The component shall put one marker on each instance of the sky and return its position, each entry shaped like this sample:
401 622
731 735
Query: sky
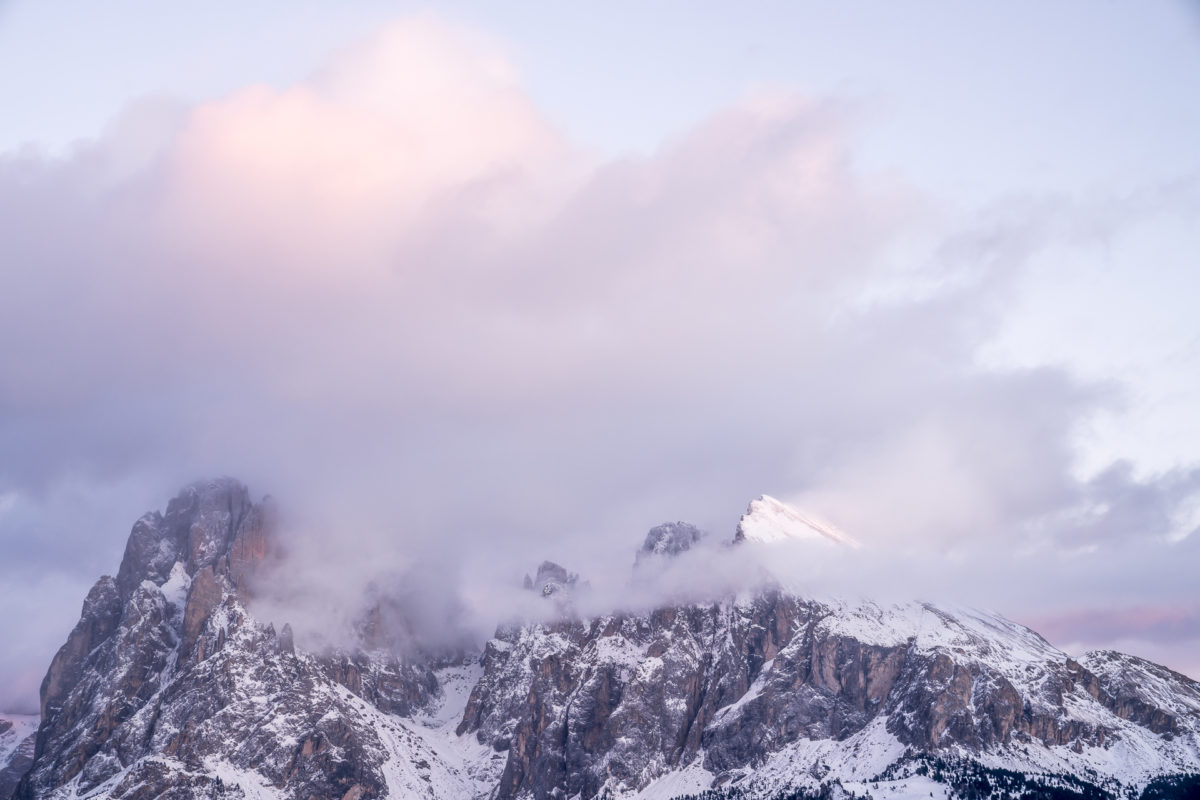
473 285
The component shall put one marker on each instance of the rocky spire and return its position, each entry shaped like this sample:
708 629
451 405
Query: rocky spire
551 579
150 621
668 539
209 524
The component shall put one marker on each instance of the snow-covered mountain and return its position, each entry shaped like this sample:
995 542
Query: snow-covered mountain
768 520
17 733
169 687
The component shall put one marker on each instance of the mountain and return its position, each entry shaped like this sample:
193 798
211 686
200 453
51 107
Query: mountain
17 735
169 687
769 520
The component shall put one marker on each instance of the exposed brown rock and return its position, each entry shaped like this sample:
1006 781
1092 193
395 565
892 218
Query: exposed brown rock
205 593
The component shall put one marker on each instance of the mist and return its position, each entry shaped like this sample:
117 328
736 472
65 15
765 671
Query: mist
451 343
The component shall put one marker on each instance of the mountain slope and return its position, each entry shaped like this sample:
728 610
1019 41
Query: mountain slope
768 520
730 688
169 687
17 737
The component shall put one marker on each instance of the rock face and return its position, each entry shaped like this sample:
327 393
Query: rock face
167 684
168 687
618 701
17 739
155 620
668 540
551 579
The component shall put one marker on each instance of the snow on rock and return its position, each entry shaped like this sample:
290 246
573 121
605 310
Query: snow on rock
170 687
667 540
17 734
14 729
768 521
690 780
175 589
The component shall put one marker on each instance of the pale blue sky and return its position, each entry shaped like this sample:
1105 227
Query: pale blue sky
1065 93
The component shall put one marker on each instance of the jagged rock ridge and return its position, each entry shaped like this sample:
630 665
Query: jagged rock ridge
168 687
668 540
551 579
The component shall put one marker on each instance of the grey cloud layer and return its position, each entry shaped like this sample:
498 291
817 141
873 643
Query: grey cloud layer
498 353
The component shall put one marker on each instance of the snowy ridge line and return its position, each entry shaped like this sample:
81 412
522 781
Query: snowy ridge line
768 520
171 687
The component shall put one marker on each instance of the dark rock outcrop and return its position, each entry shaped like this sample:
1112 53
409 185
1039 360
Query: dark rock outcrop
668 539
551 579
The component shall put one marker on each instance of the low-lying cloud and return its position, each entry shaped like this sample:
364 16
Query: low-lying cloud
397 299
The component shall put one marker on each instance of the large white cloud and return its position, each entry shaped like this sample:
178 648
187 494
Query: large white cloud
395 297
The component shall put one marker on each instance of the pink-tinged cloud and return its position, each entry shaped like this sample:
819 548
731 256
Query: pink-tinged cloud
1114 623
394 297
1167 633
339 167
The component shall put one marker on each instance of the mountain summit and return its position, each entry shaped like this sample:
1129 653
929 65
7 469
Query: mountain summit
169 687
768 520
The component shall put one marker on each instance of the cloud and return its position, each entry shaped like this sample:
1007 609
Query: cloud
397 299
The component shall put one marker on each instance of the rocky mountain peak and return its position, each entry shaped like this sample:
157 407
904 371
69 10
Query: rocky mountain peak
161 689
769 521
156 618
551 579
170 688
668 539
209 524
